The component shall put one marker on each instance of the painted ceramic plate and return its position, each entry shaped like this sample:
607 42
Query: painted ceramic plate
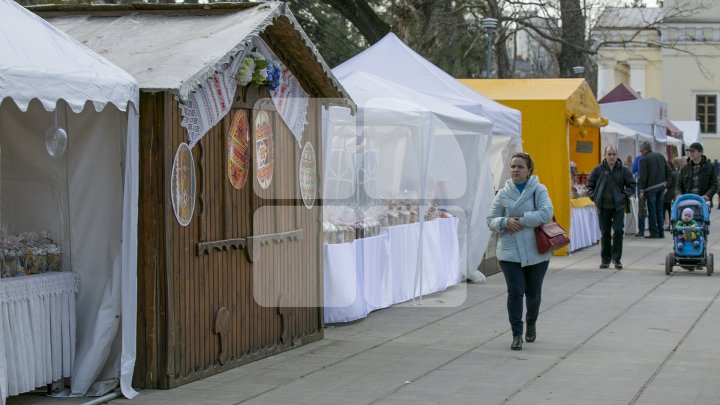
238 150
182 185
308 175
264 149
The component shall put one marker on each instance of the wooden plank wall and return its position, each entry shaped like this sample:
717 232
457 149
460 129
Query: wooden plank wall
181 291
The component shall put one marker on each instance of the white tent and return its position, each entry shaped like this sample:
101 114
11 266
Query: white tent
626 140
412 142
690 130
647 115
392 60
86 197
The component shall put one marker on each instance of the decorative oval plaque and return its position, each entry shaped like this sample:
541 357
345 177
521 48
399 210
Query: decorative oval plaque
264 149
238 150
182 185
307 175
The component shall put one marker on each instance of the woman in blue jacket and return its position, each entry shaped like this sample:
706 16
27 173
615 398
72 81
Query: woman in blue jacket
519 207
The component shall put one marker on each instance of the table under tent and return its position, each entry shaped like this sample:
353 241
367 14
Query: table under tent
69 186
411 70
230 253
385 172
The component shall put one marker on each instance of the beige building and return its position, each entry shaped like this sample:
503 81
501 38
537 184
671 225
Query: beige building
670 53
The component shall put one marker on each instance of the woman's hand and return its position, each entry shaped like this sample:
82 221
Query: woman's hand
514 225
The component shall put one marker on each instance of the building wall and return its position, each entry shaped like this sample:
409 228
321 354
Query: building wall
687 65
621 58
691 68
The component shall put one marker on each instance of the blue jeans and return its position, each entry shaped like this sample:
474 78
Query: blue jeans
523 281
655 199
611 221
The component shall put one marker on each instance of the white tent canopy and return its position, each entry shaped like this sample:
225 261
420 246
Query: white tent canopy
690 130
87 197
626 140
40 62
646 115
391 59
412 142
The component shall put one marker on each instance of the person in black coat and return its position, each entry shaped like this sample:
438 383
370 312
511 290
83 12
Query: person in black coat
670 191
610 185
698 176
654 176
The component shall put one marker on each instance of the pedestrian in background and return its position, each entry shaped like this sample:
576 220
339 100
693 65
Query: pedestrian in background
698 176
670 192
519 207
654 176
642 204
610 185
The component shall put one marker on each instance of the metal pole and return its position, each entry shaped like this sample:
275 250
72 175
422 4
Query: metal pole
489 53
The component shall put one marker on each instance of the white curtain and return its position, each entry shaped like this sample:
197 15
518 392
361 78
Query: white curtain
87 198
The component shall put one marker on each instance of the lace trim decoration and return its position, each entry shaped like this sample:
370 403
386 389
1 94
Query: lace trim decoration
16 289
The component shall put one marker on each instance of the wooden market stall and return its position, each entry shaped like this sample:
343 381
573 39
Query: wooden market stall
560 124
229 265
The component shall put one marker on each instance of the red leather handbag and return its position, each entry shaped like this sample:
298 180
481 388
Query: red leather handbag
551 236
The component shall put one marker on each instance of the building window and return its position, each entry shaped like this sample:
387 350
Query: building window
706 113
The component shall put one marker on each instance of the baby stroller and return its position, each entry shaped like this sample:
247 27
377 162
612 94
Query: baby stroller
686 253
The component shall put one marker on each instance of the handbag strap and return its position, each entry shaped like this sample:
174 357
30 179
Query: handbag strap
535 206
612 179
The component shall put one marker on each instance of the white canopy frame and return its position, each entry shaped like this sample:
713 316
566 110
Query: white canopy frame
87 197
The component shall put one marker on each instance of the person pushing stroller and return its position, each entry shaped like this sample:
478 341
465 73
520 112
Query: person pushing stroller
687 230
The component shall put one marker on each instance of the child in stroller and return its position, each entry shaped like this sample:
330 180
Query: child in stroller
687 230
691 217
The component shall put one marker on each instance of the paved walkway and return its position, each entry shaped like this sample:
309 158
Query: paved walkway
634 336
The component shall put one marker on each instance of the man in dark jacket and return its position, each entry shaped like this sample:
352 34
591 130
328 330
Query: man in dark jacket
670 190
698 176
609 185
654 176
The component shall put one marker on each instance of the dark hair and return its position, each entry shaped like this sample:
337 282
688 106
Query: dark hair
527 158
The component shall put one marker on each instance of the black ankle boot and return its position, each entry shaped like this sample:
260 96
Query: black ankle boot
517 343
530 335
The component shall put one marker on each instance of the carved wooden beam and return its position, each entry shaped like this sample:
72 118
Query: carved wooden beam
248 244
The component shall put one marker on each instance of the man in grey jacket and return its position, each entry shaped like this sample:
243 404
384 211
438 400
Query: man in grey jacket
654 176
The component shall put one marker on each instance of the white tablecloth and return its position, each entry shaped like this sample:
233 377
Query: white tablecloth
37 335
584 227
373 273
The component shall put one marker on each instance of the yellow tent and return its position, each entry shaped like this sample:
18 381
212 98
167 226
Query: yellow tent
560 121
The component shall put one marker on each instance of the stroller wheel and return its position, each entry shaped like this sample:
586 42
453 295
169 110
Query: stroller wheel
668 263
710 264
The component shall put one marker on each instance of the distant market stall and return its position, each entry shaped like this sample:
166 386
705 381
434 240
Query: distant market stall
387 170
229 261
411 70
69 186
626 140
561 121
647 116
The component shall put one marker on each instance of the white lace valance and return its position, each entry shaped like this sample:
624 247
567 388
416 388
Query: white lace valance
38 285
